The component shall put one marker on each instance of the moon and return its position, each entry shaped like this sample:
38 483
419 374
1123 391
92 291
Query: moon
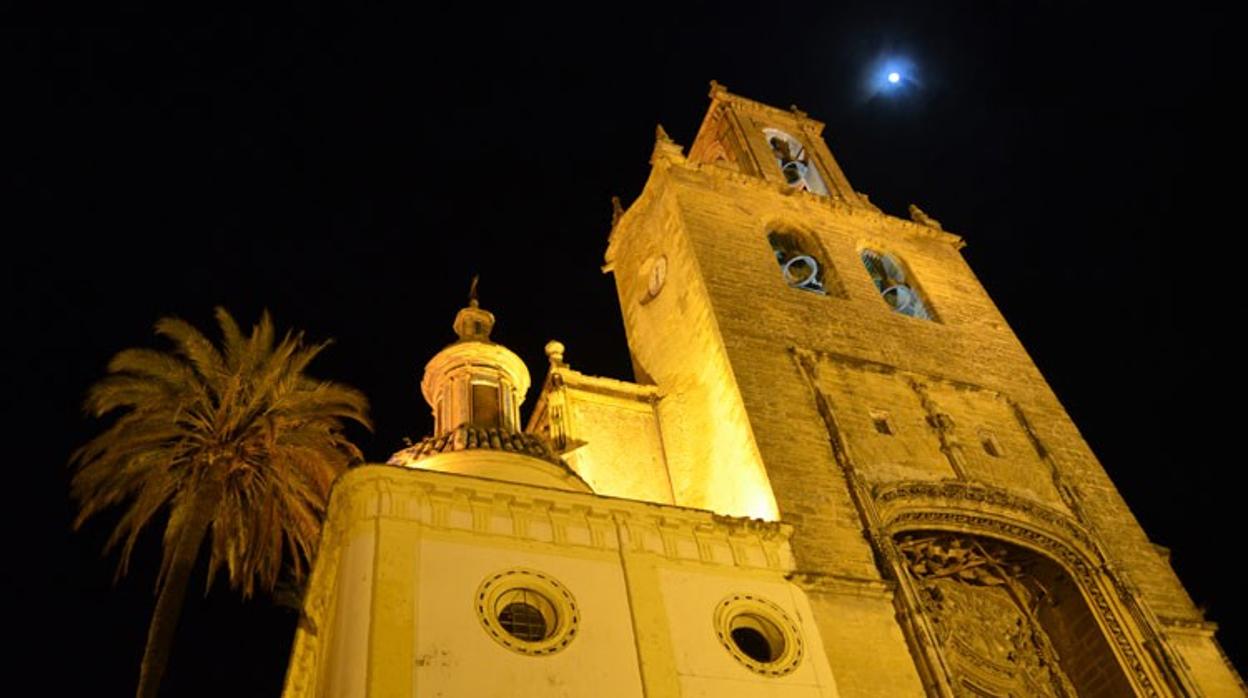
892 76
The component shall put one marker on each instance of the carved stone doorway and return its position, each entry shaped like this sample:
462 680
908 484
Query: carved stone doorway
1008 621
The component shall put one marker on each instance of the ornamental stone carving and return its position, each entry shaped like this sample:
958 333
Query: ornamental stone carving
982 602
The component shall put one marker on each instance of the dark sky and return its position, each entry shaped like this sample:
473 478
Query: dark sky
350 171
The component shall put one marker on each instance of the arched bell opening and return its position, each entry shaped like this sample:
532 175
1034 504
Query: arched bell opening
803 262
1008 620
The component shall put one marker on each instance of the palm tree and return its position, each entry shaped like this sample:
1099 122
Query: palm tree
237 441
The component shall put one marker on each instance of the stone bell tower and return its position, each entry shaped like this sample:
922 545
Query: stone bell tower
844 371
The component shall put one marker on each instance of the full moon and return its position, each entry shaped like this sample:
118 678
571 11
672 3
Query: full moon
894 77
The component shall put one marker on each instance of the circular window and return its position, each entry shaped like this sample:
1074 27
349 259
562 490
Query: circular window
527 611
525 614
759 634
757 637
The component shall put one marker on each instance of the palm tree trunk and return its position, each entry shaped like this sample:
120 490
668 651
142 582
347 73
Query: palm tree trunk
173 589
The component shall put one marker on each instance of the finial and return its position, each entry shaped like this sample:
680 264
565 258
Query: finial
717 87
793 108
617 210
473 323
866 200
918 216
664 148
554 352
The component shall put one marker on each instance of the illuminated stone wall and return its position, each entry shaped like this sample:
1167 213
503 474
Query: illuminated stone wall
607 430
711 454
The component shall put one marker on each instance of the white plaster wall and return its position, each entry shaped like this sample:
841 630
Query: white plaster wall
705 667
456 657
346 674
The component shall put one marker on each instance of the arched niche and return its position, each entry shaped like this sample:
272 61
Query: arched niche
1008 621
1015 596
896 284
794 162
803 263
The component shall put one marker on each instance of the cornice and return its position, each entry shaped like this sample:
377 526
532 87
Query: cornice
612 387
458 503
821 582
1188 626
869 215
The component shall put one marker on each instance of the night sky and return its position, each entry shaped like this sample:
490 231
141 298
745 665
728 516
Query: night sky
351 171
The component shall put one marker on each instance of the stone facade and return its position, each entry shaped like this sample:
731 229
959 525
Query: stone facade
838 473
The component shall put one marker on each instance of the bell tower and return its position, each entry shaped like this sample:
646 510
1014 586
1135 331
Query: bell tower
841 370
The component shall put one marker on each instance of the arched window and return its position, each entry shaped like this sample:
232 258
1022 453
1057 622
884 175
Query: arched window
800 263
895 285
794 163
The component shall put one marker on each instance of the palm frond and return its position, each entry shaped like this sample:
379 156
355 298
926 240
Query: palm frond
235 347
149 363
260 343
138 392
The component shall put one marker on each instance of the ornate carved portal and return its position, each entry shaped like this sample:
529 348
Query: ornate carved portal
1008 622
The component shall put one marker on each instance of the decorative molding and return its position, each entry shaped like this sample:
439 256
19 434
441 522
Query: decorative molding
1085 573
763 185
1068 493
666 151
467 437
750 609
942 424
895 499
1187 626
824 583
547 590
919 216
452 502
975 589
611 387
745 105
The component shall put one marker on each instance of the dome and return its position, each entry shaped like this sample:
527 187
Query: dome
475 387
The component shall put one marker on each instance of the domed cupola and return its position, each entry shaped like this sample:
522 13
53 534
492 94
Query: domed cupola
475 388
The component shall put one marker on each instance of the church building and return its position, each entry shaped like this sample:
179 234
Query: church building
836 472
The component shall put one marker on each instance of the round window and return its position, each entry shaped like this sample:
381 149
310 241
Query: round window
757 637
527 611
759 634
525 614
